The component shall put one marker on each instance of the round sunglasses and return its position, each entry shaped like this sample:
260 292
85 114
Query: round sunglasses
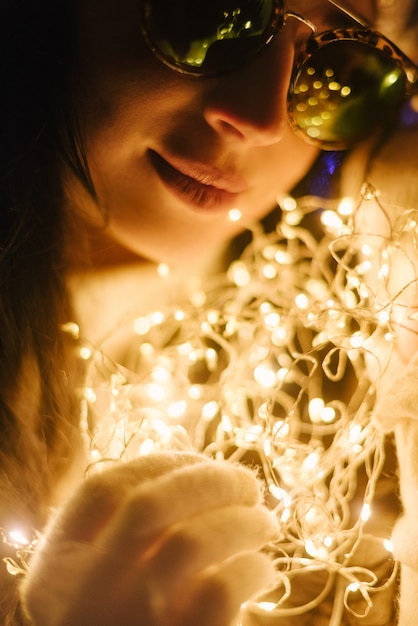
346 82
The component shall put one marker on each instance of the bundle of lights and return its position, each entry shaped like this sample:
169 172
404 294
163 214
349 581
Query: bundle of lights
271 364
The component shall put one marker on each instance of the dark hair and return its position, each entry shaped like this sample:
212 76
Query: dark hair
38 409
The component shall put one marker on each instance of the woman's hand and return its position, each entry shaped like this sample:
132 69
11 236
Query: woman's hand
170 539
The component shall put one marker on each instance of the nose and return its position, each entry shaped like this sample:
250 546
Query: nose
249 105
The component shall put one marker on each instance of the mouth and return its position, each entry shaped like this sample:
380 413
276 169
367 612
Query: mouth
201 187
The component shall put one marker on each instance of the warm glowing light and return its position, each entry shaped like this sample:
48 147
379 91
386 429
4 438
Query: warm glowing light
142 325
240 274
235 215
311 548
198 298
288 204
316 406
366 512
302 301
388 545
355 433
311 462
85 353
72 329
364 267
255 364
270 271
156 392
346 206
210 411
267 606
179 315
89 395
265 376
18 538
272 320
163 270
157 318
161 375
146 349
357 340
227 424
147 447
177 409
195 392
283 258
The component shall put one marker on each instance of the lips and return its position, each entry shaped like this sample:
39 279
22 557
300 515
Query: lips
200 186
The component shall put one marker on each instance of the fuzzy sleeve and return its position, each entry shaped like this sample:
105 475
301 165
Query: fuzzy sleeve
397 411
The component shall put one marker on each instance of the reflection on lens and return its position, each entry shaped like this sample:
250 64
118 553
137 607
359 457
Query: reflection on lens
343 92
209 36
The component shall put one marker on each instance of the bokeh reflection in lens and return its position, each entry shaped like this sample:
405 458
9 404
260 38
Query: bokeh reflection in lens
343 91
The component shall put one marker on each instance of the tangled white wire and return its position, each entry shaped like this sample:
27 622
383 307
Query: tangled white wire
271 363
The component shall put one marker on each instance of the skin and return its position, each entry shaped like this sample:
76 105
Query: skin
234 126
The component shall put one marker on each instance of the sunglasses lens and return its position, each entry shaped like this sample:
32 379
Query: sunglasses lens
209 36
343 92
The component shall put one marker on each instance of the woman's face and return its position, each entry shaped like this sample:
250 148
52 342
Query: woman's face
171 155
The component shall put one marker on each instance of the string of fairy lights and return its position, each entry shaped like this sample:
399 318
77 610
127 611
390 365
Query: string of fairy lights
272 363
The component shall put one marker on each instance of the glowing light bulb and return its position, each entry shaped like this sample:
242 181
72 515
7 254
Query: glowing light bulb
146 349
156 392
366 512
355 433
195 392
283 257
383 271
161 375
179 315
331 219
177 409
157 318
18 538
234 215
85 353
90 395
346 206
240 274
210 410
269 271
272 320
142 325
288 204
388 545
147 447
163 270
316 406
267 606
311 548
357 340
311 462
328 415
265 376
72 329
302 301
